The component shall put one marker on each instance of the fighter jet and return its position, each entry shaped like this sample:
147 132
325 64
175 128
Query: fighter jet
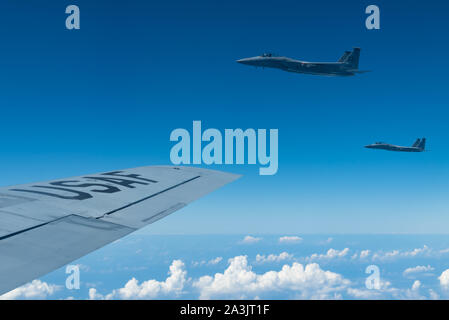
347 65
418 146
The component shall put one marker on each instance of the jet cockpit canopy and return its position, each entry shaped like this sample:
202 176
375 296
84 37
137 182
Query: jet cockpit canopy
267 54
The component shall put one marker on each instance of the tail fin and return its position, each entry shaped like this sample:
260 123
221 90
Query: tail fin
344 56
416 144
353 58
422 144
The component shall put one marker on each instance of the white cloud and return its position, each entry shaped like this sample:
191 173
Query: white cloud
386 291
151 289
382 292
425 250
364 293
386 255
290 239
274 258
327 241
433 295
418 251
94 295
211 262
250 239
215 261
416 285
238 281
330 254
33 290
414 293
444 279
417 269
364 254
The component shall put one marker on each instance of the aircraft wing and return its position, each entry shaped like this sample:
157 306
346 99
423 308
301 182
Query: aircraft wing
46 225
317 64
358 71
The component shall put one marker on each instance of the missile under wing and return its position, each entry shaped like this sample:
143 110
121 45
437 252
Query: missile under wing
46 225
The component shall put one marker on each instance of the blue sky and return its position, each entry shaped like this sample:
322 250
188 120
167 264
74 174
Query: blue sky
108 96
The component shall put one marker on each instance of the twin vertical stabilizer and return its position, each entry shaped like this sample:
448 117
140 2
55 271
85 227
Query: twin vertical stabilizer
351 58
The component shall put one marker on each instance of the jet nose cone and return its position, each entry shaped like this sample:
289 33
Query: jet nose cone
254 61
242 61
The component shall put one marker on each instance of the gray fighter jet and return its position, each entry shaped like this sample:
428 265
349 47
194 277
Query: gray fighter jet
347 65
418 146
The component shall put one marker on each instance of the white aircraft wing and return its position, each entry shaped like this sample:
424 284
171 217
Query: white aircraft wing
44 226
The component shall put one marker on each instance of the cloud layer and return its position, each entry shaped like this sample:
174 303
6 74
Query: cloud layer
151 289
33 290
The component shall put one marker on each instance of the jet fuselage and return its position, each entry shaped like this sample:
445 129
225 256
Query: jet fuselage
292 65
392 147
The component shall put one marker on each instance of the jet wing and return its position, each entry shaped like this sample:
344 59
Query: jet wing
358 71
318 64
46 225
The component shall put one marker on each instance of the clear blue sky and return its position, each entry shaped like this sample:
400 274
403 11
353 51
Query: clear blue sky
108 96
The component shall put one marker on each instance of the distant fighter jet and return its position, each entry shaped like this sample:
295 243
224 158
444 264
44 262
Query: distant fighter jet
347 65
418 146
